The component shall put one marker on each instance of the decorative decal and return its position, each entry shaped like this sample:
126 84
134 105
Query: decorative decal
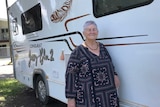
56 38
62 55
120 44
41 57
61 13
18 47
138 43
15 26
74 19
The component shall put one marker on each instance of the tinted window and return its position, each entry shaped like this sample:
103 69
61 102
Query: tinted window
106 7
32 20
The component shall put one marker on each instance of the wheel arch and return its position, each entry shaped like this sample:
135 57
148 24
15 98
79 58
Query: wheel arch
40 72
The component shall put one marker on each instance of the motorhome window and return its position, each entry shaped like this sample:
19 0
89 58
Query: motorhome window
32 20
106 7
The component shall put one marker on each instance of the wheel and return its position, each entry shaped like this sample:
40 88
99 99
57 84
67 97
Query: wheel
41 90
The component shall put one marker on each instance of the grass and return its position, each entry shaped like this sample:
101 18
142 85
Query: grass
9 87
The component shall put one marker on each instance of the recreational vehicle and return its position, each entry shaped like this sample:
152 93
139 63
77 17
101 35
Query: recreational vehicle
43 34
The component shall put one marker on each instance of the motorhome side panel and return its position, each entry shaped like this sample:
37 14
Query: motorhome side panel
131 36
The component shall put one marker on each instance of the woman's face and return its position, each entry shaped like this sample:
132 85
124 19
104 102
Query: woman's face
91 32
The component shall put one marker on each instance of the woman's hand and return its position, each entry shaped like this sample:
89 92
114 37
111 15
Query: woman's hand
71 102
117 81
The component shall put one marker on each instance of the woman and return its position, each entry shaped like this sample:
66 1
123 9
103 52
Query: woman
90 77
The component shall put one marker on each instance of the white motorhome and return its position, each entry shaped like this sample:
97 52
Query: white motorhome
44 33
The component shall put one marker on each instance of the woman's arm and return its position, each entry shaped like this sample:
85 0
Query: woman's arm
71 102
117 81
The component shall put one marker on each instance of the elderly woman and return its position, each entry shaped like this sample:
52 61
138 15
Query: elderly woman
91 80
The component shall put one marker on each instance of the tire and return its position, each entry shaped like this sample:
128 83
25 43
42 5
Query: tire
41 90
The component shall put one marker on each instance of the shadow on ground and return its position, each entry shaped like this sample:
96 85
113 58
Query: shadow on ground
26 98
3 76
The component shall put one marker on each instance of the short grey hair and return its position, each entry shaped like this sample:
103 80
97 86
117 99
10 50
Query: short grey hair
88 23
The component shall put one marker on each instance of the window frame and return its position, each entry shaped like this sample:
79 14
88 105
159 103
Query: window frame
34 13
120 10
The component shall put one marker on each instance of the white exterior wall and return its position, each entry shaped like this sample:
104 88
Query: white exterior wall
4 51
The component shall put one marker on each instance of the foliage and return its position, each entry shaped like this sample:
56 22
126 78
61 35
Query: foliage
9 87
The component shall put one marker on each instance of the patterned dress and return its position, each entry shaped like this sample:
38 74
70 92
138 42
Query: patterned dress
90 78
